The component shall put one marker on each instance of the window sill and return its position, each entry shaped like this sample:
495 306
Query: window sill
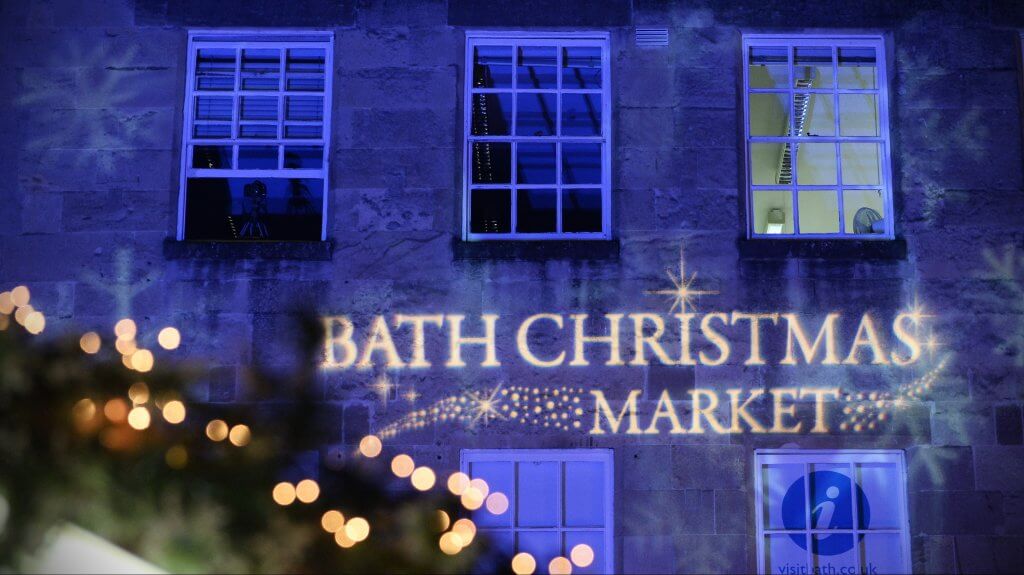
541 250
877 250
212 250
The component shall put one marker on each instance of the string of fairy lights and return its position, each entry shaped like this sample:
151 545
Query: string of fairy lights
557 408
118 420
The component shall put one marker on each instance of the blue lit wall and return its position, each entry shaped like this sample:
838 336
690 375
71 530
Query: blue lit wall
92 98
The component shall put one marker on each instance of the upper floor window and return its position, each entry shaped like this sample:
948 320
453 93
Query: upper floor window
537 137
831 511
559 506
817 137
256 137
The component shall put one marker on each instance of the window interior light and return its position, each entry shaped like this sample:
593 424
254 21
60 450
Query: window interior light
775 221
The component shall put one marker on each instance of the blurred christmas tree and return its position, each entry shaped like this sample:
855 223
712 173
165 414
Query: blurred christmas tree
98 434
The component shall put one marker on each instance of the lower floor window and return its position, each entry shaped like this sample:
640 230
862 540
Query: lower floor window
560 505
831 512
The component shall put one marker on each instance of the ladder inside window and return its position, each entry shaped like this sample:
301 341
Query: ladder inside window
801 107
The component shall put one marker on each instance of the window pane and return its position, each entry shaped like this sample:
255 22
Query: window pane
815 116
535 163
769 67
257 157
304 157
816 164
785 553
592 539
581 210
253 208
301 131
581 114
304 108
858 115
535 115
771 164
538 489
261 69
492 162
812 67
492 114
543 545
211 157
492 67
879 506
773 212
819 211
862 163
581 67
831 498
581 163
215 69
305 69
265 131
500 478
536 211
881 553
538 67
835 550
490 211
259 108
864 211
584 494
783 497
212 131
213 108
857 68
769 114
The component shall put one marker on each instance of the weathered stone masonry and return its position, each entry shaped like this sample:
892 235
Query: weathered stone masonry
92 96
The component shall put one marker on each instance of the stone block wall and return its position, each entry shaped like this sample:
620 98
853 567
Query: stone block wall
92 97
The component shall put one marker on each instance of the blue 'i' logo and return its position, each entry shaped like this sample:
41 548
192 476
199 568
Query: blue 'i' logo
831 508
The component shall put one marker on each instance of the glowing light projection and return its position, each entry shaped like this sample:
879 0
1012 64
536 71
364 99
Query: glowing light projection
681 292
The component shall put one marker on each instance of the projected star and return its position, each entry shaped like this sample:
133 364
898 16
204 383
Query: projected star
411 396
484 406
682 291
383 386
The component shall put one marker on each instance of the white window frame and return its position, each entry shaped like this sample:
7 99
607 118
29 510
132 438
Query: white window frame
255 38
562 456
791 41
851 457
557 39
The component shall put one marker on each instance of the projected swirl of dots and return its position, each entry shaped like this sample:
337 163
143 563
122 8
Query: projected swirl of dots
554 408
868 411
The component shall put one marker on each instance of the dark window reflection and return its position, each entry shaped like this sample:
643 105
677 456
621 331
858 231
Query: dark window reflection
305 70
581 114
490 211
215 69
535 163
253 209
257 157
304 108
581 163
265 131
302 131
581 67
261 69
304 157
213 108
535 115
212 131
535 211
211 157
492 162
259 108
581 210
538 67
492 114
492 67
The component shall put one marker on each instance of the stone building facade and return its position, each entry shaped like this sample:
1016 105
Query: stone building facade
94 107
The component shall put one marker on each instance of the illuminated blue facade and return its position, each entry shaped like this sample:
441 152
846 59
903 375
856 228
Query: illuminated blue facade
95 104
